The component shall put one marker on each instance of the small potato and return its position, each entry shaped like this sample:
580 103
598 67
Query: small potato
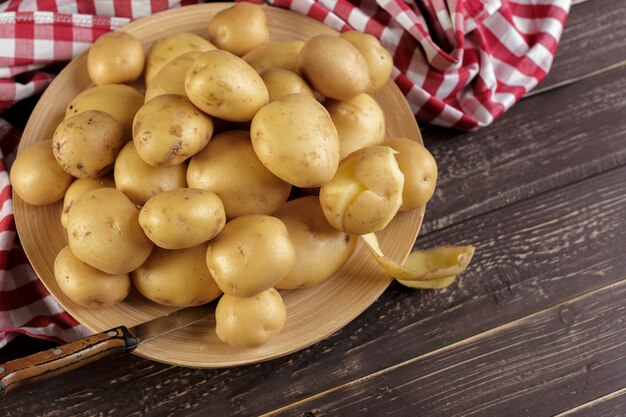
141 181
177 278
78 188
119 100
37 177
116 57
296 140
366 193
282 54
250 322
251 254
419 169
239 29
169 129
225 86
86 285
320 248
360 122
229 167
103 231
182 218
280 83
165 50
171 78
87 144
379 60
334 67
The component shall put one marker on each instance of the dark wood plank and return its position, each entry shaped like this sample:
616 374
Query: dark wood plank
544 142
610 405
538 366
531 255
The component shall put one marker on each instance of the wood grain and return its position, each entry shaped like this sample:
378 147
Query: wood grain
609 405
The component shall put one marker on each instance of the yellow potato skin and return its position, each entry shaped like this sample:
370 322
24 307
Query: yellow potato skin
178 278
250 255
86 285
171 77
281 82
239 29
250 322
282 54
115 57
229 167
379 60
37 177
320 248
182 218
103 231
78 188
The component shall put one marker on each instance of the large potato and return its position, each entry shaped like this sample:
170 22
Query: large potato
115 57
281 82
320 248
169 129
182 218
103 231
87 144
334 67
419 169
141 181
250 255
282 54
225 86
166 49
239 29
229 167
379 60
250 322
366 193
360 122
171 78
78 188
86 285
37 177
296 139
176 277
119 100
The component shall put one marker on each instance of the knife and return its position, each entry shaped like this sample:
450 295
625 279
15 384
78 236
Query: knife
64 358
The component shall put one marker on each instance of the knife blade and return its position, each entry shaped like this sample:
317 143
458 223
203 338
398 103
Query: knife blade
64 358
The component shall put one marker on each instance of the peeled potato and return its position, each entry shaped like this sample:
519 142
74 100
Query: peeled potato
239 29
115 57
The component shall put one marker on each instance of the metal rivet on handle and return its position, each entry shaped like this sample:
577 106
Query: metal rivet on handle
57 351
112 333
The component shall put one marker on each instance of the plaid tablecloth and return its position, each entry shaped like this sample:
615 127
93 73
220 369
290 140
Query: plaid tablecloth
460 63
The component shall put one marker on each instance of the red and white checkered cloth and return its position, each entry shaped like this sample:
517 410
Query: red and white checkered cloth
460 63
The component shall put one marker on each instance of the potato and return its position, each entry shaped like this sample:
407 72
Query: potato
78 188
334 67
103 231
281 82
171 77
87 144
141 181
320 249
225 86
379 60
282 54
177 278
229 167
250 322
182 218
86 285
251 254
37 177
169 129
239 29
115 57
296 140
120 101
166 49
360 123
366 193
419 169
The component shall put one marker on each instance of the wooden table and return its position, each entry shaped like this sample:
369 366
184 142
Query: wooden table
535 327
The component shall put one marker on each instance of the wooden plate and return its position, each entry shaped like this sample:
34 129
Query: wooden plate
313 313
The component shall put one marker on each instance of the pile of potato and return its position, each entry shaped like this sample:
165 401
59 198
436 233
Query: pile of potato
185 190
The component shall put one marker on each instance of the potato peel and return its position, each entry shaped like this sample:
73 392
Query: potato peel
426 268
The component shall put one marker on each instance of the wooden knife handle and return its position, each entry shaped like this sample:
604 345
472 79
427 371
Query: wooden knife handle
59 360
